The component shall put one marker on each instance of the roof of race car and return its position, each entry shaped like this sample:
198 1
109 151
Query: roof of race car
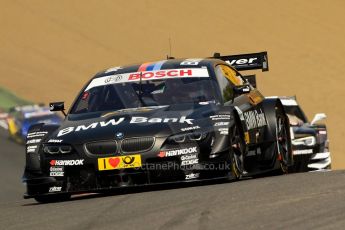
161 65
38 113
27 108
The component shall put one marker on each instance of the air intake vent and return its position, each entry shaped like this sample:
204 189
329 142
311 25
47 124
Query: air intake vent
139 144
101 148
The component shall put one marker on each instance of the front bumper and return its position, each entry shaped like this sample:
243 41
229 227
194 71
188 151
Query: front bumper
90 169
320 161
84 175
28 195
313 161
77 181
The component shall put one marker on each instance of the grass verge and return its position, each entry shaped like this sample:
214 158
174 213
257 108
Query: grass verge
9 99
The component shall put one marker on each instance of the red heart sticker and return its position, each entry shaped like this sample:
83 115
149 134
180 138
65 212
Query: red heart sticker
114 161
52 162
161 154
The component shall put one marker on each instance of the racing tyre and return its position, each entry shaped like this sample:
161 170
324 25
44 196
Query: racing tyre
237 150
52 198
283 142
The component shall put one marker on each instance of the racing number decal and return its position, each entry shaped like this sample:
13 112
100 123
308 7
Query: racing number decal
191 62
122 162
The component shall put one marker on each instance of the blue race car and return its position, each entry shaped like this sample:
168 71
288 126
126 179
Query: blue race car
22 117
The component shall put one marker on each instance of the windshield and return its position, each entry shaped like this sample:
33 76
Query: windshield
158 88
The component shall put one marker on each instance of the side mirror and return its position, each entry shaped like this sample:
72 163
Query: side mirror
57 106
251 79
318 117
241 89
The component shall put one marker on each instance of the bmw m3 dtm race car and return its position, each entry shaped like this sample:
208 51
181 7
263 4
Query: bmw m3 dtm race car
176 120
310 142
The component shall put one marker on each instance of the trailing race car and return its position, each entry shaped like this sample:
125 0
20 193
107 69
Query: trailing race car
20 119
167 121
310 142
3 119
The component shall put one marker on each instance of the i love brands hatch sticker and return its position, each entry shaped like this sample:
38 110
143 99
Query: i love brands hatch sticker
120 162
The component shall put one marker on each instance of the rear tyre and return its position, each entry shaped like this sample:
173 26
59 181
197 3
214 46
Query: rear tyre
237 150
52 198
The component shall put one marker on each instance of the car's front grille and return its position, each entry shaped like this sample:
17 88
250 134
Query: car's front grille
137 144
102 147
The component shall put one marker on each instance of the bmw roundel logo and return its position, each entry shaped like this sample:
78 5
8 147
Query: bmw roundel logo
119 135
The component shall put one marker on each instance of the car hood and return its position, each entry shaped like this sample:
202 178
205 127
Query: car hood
146 121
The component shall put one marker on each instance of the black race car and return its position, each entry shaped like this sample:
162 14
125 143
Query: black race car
310 142
160 122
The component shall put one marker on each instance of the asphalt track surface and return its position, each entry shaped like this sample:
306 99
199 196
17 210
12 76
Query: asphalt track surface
296 201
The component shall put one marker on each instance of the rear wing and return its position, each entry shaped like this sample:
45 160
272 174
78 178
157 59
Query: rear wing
246 61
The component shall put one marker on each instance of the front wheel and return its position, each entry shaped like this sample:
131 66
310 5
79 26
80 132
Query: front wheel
237 150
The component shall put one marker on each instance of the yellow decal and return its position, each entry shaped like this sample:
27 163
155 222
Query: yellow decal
120 162
246 137
231 75
12 127
255 97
